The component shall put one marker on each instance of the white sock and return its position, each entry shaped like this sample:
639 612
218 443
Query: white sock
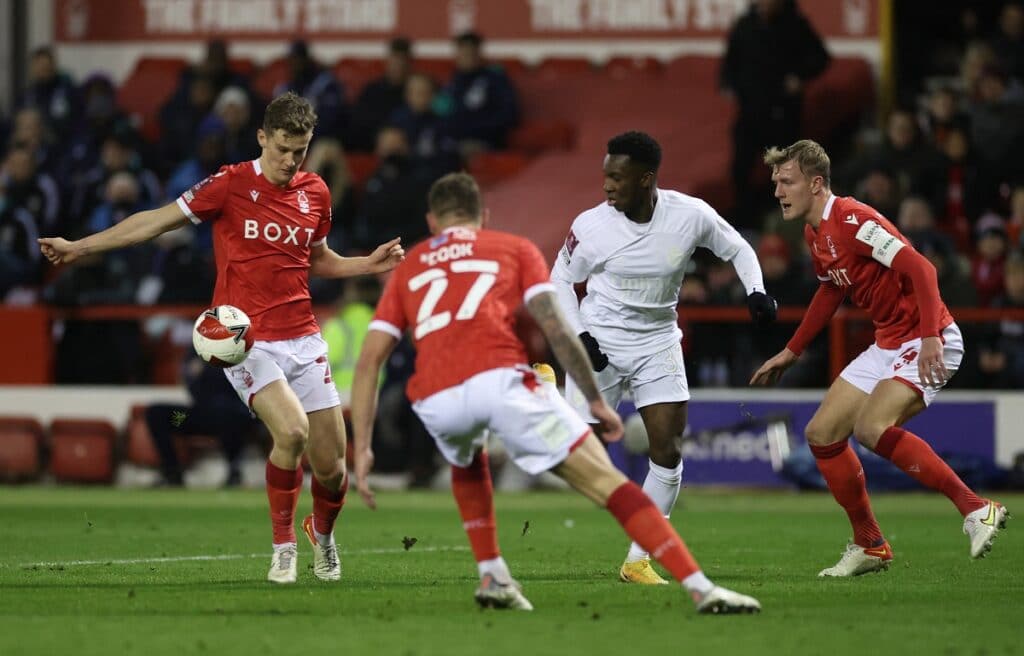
284 545
323 540
496 567
662 486
698 583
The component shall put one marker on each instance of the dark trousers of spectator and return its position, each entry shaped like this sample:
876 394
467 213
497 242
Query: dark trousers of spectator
756 130
230 427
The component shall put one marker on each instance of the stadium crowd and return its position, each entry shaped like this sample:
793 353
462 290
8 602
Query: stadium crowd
945 168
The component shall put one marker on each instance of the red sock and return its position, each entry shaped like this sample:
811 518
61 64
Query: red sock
649 528
843 473
913 455
474 494
327 505
283 487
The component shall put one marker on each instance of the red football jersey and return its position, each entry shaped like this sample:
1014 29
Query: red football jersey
458 292
262 237
853 249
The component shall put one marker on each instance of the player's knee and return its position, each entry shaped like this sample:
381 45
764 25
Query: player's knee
820 434
294 436
868 432
667 453
326 467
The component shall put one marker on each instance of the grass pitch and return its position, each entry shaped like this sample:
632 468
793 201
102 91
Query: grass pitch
105 571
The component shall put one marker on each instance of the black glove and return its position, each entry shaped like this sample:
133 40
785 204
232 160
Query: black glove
762 309
598 360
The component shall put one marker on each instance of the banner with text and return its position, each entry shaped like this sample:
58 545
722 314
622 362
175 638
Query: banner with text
95 21
731 442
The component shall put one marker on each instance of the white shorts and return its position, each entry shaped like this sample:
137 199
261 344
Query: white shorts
658 378
900 364
301 362
536 425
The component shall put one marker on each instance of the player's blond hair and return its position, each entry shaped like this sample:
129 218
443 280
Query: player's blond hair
809 155
455 196
289 112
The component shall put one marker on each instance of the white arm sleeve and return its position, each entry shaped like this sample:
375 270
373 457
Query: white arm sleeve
748 269
724 241
571 267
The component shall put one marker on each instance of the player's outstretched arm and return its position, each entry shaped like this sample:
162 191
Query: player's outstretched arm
574 359
325 263
137 228
376 349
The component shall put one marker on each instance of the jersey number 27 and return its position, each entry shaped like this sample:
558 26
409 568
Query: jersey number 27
426 320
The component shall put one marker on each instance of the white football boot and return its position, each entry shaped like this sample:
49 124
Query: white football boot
982 525
283 568
493 593
722 601
326 565
857 560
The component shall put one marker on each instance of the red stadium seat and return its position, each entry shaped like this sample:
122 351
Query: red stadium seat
268 77
354 74
492 168
538 135
439 69
149 86
244 67
82 450
21 440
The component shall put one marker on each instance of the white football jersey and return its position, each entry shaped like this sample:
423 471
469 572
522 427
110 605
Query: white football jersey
634 271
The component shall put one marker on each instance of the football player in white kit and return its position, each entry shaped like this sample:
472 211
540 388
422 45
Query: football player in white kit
632 251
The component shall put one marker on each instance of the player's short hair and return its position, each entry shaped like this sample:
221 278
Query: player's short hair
289 112
809 155
638 146
455 194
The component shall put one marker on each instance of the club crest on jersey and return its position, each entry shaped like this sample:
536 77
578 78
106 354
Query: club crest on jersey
303 201
831 247
571 242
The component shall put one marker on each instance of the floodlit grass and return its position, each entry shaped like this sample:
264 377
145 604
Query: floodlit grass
65 587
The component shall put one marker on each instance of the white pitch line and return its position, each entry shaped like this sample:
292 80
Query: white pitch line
181 559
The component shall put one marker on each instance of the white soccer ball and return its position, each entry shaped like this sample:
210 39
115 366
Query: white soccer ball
222 336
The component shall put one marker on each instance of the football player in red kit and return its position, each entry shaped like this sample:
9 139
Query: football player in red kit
270 224
457 293
918 347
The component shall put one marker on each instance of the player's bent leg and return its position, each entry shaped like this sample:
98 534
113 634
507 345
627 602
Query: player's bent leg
590 471
281 411
893 402
326 453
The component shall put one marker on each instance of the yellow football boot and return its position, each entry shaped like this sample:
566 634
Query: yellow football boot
641 572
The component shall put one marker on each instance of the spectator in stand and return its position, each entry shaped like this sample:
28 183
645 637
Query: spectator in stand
23 186
121 198
214 410
963 188
916 221
997 127
977 57
942 114
878 188
485 107
215 66
1008 43
1015 222
429 134
317 84
50 91
100 118
987 266
395 200
118 153
915 164
380 97
772 52
19 227
209 154
240 123
180 118
950 270
1002 354
29 131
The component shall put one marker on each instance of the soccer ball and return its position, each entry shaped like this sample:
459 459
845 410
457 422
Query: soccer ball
221 336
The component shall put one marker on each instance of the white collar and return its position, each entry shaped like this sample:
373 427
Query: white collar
256 166
828 207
